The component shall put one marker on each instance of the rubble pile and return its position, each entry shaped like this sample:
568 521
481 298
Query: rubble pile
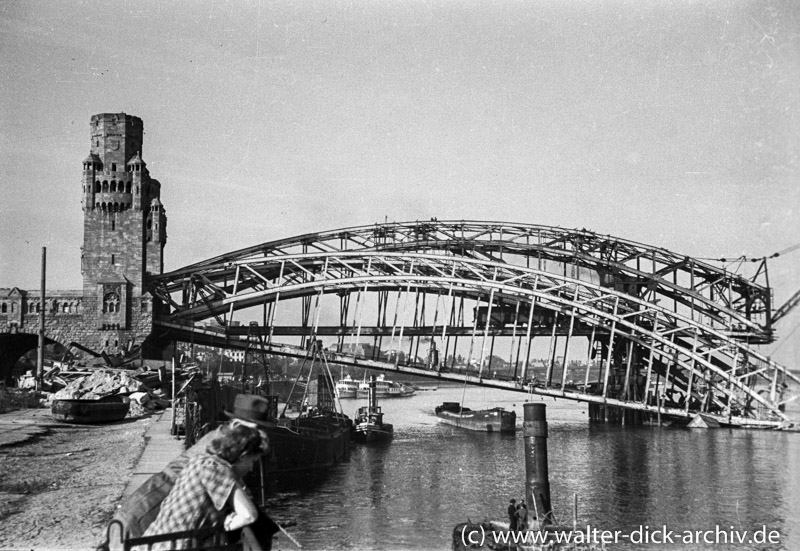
145 389
100 383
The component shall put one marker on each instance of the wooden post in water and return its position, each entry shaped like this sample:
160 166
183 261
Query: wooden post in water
40 349
537 477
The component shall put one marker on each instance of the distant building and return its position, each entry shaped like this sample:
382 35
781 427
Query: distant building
234 355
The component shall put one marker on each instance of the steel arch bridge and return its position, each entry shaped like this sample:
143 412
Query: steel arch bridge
658 332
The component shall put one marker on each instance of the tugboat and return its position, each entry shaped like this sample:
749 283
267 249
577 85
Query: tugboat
485 420
369 425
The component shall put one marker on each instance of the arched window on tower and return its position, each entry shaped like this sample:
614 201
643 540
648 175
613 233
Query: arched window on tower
105 186
4 308
111 303
97 187
113 186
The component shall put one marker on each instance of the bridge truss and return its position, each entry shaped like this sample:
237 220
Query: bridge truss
475 301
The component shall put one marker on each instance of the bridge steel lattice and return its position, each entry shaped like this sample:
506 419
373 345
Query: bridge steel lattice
661 333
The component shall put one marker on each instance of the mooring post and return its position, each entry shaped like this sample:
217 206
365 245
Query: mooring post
537 477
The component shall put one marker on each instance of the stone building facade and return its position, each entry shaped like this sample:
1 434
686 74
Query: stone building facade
124 234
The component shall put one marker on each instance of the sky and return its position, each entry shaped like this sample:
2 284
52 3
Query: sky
671 123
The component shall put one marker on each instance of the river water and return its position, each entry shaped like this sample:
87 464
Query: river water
410 493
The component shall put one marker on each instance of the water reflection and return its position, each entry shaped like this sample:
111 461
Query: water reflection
409 493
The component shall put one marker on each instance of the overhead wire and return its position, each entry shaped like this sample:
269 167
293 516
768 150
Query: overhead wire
745 258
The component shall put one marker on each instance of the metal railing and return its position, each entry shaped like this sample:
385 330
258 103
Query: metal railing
205 539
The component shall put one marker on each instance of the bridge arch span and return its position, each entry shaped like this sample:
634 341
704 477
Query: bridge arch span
659 339
739 305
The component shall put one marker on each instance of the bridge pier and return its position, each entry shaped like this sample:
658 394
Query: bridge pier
603 413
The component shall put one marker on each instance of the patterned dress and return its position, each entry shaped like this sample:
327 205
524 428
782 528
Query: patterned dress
140 509
197 500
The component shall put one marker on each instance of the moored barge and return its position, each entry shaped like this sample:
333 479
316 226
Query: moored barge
485 420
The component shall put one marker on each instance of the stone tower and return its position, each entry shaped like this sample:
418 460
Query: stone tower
124 230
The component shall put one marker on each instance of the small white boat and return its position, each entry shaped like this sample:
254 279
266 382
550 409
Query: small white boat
347 387
386 389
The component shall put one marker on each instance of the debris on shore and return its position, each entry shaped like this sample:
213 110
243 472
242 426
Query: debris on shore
99 384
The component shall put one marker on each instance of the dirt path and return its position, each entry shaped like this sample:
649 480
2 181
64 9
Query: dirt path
59 488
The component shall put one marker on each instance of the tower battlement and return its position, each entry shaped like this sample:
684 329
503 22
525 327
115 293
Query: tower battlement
116 137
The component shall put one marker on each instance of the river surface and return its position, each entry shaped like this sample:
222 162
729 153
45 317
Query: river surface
410 493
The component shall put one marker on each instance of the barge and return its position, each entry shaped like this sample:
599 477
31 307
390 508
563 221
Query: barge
485 420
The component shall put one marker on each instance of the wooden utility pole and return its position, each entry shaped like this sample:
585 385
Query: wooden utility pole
40 350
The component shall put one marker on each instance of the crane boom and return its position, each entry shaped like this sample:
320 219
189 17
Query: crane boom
786 307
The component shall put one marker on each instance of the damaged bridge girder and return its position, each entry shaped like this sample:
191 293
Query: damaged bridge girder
730 301
685 352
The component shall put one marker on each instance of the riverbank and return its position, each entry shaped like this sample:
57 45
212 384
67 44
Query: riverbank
60 483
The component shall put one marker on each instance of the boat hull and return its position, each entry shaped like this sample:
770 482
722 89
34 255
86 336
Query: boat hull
488 420
345 393
89 412
385 389
364 433
304 445
394 392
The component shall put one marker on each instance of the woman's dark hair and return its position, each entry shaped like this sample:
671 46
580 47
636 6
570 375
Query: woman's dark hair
236 440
